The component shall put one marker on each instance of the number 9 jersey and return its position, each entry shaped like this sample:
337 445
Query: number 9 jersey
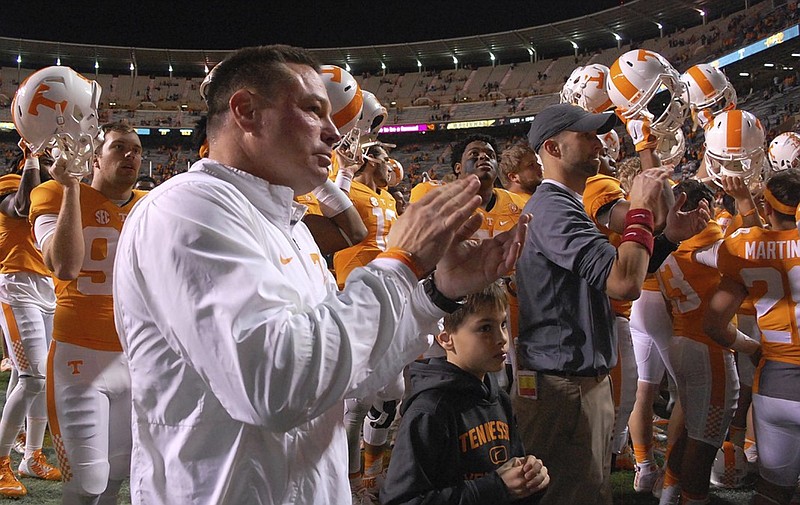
88 297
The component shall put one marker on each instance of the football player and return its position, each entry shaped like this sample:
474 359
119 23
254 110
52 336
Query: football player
377 209
705 372
28 303
77 226
520 170
759 263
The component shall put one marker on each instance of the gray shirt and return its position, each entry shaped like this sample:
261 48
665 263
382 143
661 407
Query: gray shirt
566 322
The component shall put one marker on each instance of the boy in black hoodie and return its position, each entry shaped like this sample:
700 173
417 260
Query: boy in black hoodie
457 442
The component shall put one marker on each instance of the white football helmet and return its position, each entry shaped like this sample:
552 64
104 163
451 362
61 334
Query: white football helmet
57 107
735 146
345 96
784 151
708 92
730 467
395 172
610 141
586 88
671 148
641 84
373 114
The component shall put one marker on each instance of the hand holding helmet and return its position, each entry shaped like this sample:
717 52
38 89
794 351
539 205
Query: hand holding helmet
57 107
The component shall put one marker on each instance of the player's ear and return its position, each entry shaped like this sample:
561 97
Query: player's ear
445 340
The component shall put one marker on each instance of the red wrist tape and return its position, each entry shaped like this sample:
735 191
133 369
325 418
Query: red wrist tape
640 236
642 217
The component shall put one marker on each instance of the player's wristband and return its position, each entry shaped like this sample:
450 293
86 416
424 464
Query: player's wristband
31 163
641 236
405 258
743 343
642 217
344 180
332 200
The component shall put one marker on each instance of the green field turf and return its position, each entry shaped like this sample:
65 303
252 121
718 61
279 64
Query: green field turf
49 493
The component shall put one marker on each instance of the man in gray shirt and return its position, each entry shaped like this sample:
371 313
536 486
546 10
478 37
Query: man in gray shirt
567 271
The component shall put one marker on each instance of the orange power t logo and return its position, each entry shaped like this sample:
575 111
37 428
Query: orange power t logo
75 364
643 54
336 73
600 79
40 99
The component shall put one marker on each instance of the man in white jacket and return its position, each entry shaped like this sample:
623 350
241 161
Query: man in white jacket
241 348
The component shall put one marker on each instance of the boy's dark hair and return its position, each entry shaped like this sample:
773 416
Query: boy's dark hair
492 297
785 187
458 149
696 192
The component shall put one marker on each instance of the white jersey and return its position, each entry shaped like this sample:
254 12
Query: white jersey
241 348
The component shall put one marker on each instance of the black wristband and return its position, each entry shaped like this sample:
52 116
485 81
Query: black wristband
662 247
446 304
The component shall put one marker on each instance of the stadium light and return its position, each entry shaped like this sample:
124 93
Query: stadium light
575 47
491 57
796 55
419 65
702 14
96 65
205 67
455 61
19 59
132 68
170 68
58 61
770 65
347 66
744 74
618 39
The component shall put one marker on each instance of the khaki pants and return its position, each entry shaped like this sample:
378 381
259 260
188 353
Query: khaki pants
569 428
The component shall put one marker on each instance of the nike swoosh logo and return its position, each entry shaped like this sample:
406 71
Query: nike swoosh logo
503 223
285 261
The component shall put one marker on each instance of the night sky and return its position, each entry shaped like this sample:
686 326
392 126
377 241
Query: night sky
182 24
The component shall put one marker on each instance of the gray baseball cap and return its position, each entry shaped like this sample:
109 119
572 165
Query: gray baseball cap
566 117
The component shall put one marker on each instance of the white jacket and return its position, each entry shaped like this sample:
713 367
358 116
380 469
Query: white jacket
241 349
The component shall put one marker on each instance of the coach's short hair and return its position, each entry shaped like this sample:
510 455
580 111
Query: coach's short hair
261 68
